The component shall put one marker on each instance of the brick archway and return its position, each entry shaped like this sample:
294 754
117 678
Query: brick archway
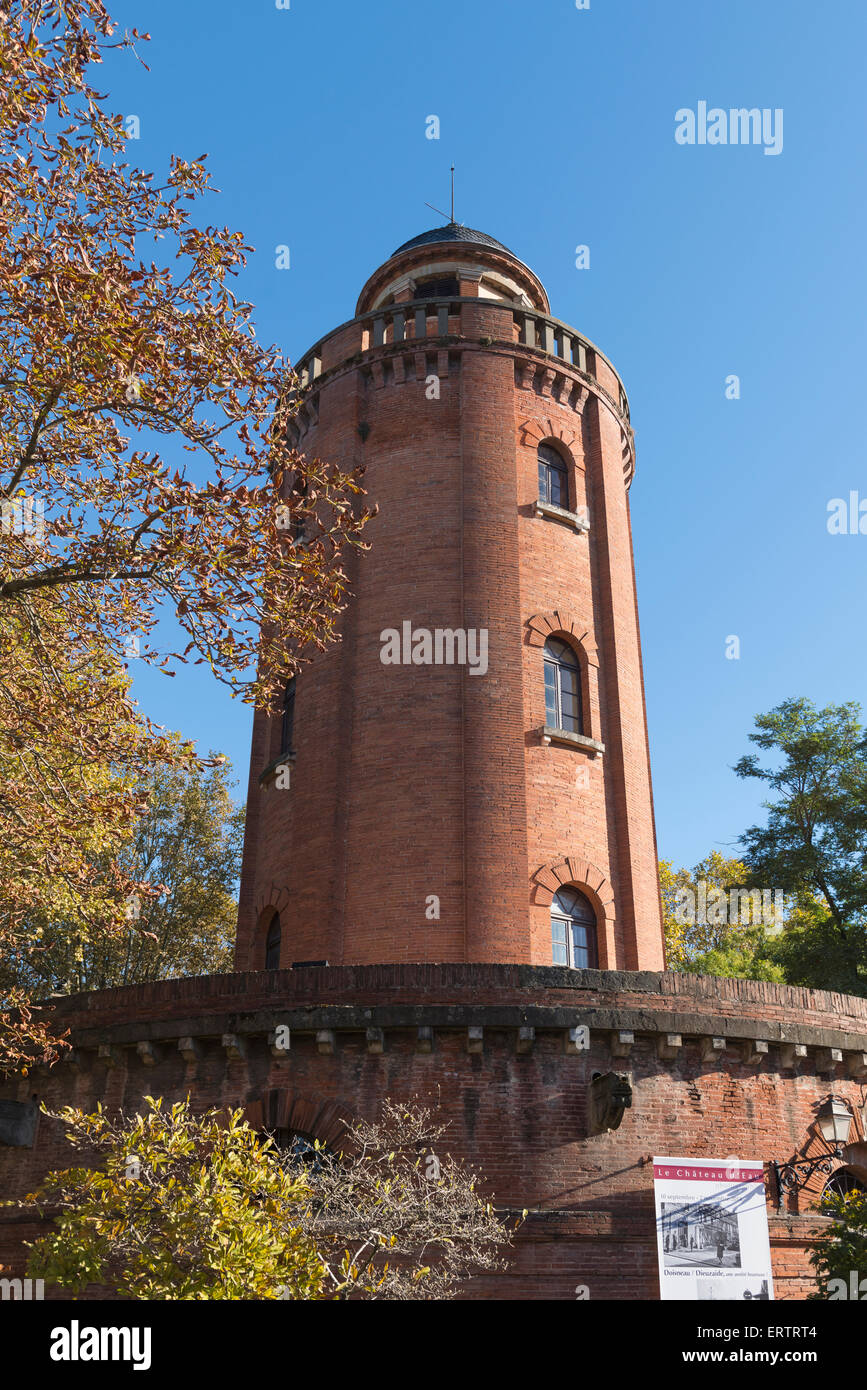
281 1107
578 872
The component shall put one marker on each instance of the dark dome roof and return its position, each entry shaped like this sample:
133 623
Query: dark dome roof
454 231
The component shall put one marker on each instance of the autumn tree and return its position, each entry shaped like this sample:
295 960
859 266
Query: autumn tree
121 336
709 933
75 760
186 844
394 1216
179 1206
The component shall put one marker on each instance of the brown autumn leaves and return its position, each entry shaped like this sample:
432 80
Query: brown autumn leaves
119 331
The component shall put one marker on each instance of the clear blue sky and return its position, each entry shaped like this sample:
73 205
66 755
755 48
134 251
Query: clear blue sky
704 261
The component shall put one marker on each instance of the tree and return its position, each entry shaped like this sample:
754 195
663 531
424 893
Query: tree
75 758
750 957
119 332
707 930
814 845
841 1251
186 1207
96 341
187 844
394 1218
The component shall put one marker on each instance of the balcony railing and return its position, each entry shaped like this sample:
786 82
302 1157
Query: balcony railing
441 318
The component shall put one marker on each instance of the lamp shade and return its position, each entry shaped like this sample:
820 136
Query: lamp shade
835 1120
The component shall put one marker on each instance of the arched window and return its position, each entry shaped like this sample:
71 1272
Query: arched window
272 944
553 484
844 1181
287 730
573 930
562 688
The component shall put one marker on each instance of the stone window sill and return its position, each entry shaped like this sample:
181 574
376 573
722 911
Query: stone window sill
591 745
579 520
270 772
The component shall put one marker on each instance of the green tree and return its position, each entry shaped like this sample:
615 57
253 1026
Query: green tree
187 846
814 844
750 957
183 1207
841 1250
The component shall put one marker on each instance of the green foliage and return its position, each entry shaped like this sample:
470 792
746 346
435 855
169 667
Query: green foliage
842 1247
751 957
814 845
187 846
694 946
183 1208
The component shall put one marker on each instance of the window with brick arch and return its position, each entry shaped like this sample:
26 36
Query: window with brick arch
553 480
273 938
573 930
562 688
844 1181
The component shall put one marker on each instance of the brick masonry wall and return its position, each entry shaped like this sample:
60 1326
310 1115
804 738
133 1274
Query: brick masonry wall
519 1116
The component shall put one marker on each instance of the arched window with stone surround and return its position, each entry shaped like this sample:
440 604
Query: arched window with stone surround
562 687
573 930
273 938
553 477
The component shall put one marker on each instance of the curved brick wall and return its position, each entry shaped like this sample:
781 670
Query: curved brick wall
414 781
718 1068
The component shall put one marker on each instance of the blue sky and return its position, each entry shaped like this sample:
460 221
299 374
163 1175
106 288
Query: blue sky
705 261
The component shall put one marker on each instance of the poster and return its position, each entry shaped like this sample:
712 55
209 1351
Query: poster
712 1229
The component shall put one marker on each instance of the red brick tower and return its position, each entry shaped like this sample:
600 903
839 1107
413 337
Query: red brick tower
454 839
469 774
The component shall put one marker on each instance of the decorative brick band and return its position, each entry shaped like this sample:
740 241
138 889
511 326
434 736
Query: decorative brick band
545 625
745 1040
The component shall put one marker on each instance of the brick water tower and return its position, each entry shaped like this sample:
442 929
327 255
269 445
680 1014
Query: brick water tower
470 778
455 898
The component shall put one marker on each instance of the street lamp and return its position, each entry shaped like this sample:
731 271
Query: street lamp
834 1120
